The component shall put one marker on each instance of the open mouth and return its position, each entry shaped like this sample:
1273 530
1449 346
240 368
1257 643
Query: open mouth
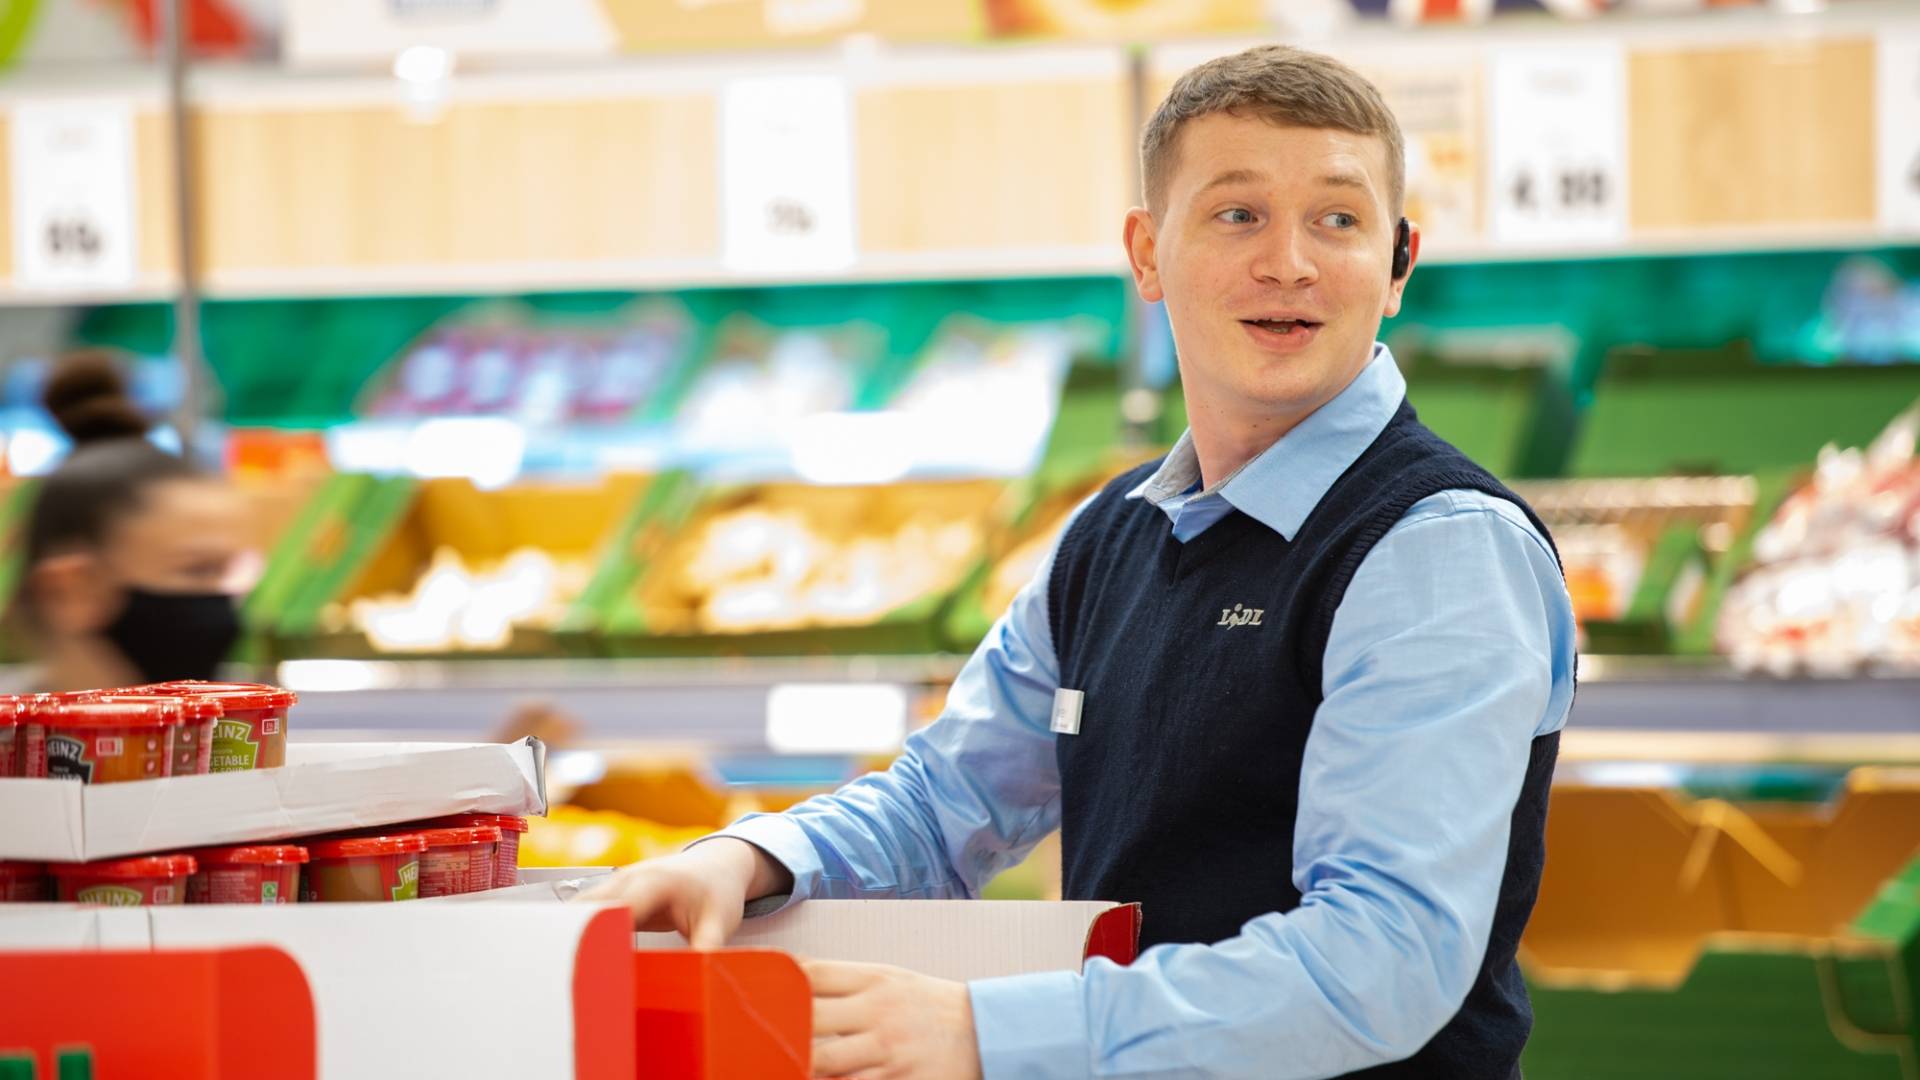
1281 333
1282 326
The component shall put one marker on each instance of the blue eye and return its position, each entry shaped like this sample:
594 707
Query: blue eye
1236 216
1342 220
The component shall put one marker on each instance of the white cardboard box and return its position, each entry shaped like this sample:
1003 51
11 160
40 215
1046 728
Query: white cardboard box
949 939
323 787
399 990
505 991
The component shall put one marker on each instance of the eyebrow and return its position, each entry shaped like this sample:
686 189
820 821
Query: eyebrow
1346 180
1231 176
1350 180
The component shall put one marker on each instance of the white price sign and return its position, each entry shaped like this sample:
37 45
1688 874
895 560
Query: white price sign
786 174
1438 109
1557 125
73 208
1898 65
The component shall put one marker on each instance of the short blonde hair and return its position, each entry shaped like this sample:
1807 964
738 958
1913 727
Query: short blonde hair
1281 85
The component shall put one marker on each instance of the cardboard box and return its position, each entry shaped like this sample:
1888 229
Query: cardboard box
413 989
483 990
949 939
323 787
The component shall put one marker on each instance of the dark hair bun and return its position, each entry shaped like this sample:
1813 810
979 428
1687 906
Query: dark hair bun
87 395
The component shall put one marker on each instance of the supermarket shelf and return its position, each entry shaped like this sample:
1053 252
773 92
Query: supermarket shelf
640 274
668 235
1629 694
721 704
146 288
715 705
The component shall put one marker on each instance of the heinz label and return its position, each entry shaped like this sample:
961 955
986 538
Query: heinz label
110 896
234 749
67 758
409 887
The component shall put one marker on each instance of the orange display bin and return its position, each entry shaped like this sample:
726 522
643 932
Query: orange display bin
218 1014
718 1015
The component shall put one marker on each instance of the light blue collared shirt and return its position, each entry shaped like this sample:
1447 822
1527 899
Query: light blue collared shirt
1452 650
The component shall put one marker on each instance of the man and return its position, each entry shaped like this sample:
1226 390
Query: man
1324 659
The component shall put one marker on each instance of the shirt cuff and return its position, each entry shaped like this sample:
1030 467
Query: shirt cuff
1032 1027
783 839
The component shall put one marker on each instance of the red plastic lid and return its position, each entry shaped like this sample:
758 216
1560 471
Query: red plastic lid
192 707
252 855
10 869
503 822
234 695
355 847
38 705
144 866
13 707
156 712
461 837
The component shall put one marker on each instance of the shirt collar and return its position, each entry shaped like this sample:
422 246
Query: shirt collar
1284 482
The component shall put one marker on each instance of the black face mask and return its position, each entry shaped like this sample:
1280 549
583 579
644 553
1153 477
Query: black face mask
169 636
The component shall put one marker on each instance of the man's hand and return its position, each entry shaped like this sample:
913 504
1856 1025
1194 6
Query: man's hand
702 892
872 1022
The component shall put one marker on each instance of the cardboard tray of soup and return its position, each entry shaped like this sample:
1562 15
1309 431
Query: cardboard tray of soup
407 990
323 787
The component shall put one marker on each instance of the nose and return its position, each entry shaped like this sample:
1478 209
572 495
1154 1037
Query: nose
1284 258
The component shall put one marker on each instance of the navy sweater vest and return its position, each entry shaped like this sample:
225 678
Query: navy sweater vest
1180 790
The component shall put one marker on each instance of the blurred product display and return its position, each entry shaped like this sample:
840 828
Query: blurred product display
780 557
1835 585
454 607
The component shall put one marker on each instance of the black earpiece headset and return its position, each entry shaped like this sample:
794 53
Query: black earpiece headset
1402 249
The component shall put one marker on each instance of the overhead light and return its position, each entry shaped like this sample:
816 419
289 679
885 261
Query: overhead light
485 449
836 718
423 72
336 676
423 65
854 448
34 452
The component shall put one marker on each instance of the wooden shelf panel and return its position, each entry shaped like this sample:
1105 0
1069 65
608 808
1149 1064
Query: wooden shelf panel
1744 133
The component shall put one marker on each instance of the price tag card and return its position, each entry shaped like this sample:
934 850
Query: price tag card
786 174
1557 129
73 198
1438 106
1898 67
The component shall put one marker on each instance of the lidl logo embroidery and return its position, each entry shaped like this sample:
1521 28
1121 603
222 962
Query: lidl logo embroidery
1238 615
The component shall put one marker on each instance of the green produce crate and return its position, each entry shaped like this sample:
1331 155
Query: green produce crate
15 507
640 623
379 537
1658 413
1695 939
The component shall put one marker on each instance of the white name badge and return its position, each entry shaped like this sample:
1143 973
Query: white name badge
1066 711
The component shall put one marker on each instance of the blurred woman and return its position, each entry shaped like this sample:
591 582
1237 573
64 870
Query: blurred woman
130 550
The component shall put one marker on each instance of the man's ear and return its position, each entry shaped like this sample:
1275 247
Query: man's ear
1399 285
71 593
1143 254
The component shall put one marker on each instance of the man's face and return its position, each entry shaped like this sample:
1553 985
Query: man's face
1273 252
